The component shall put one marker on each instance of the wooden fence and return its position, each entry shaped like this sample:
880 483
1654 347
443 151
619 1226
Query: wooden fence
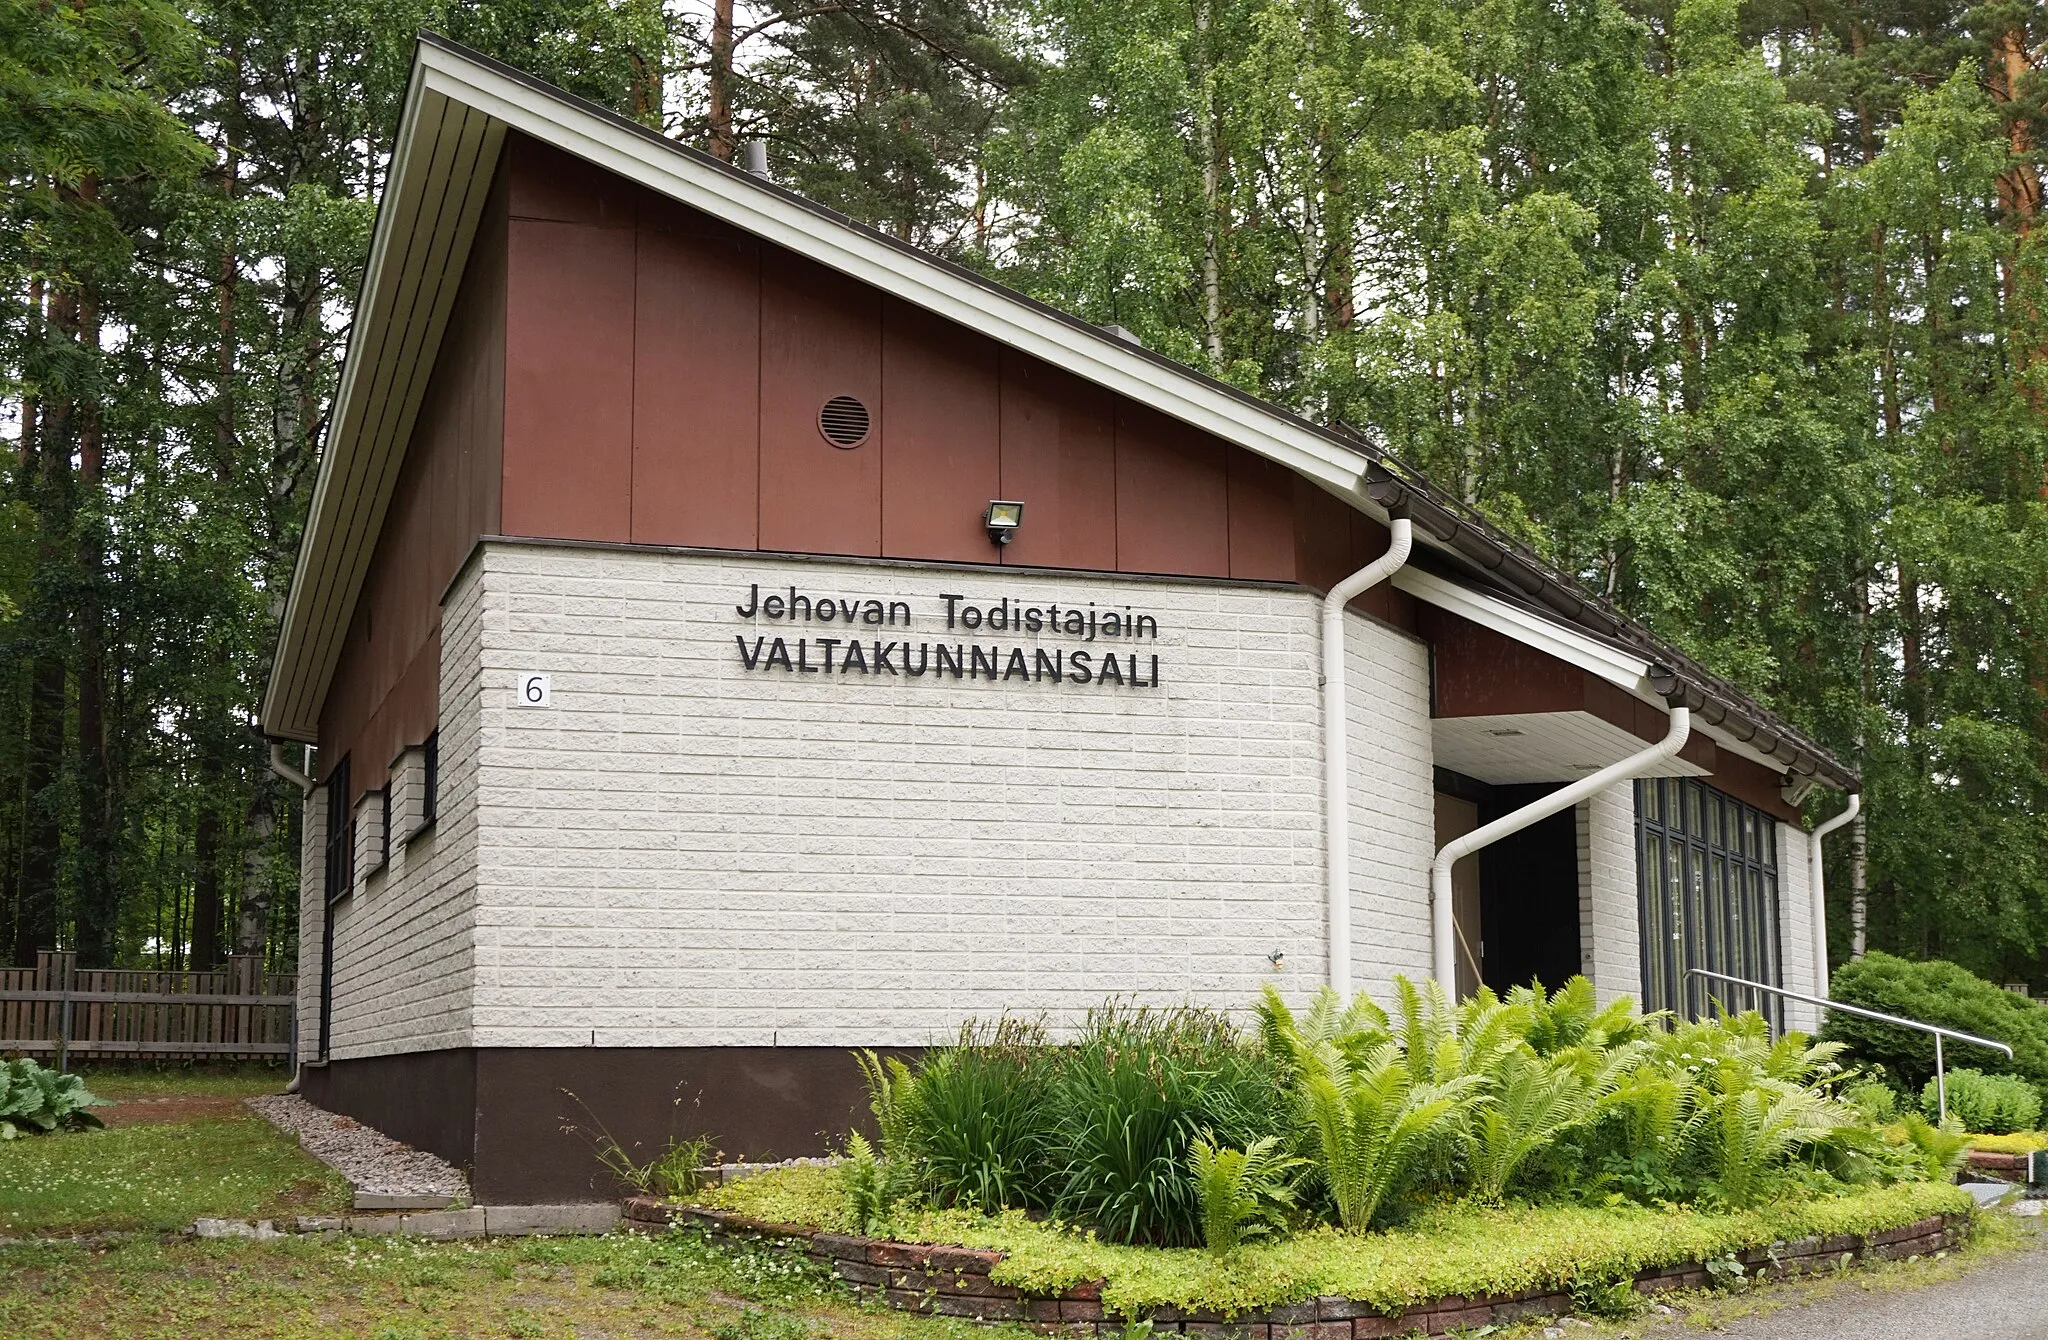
57 1011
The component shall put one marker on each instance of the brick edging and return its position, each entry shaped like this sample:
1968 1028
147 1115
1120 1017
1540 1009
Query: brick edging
954 1281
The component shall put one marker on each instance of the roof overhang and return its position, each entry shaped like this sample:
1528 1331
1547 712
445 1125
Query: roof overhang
459 106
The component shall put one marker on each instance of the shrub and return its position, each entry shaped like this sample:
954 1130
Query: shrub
1935 992
35 1101
1991 1104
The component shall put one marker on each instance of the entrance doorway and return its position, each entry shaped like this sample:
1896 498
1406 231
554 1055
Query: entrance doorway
1515 904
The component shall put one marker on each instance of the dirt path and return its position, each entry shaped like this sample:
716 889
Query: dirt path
182 1107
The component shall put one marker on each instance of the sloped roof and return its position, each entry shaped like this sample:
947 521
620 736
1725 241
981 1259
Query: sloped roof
458 107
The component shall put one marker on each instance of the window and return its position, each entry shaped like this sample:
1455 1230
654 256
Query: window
1708 869
430 802
341 837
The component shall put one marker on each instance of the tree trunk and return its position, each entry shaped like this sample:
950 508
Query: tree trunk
35 915
98 901
206 875
719 79
252 930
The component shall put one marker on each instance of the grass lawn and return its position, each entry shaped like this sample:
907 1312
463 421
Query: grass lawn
179 1146
399 1289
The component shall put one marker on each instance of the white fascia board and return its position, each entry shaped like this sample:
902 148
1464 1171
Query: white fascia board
344 428
770 216
1610 663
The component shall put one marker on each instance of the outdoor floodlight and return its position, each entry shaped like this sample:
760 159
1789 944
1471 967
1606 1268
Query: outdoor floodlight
1002 520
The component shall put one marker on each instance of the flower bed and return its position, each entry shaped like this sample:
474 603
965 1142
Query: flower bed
1461 1268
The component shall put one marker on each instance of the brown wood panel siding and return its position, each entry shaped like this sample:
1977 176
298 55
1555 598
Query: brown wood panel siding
943 460
569 381
696 382
1172 497
821 336
1059 458
547 183
1760 786
386 687
1261 517
1479 672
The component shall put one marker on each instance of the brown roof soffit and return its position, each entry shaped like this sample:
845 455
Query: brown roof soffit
1494 559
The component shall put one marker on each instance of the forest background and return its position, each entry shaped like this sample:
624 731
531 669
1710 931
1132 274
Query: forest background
1734 310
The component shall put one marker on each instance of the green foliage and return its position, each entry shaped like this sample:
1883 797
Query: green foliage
1243 1193
674 1171
1373 1108
1935 992
1615 1300
1461 1248
1129 1097
865 1183
976 1122
1168 1127
36 1101
1992 1104
1940 1150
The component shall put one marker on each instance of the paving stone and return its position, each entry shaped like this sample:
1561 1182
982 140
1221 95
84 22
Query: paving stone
382 1201
520 1221
444 1224
264 1229
376 1224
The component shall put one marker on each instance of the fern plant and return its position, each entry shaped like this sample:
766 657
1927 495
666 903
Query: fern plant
1939 1150
1534 1101
1243 1193
865 1180
1372 1122
892 1098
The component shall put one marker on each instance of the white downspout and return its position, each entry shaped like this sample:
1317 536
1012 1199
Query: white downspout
1815 878
1443 928
296 776
1336 740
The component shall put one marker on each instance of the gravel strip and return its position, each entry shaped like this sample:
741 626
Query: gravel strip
371 1160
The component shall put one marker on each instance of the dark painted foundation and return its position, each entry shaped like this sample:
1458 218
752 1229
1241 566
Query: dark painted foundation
522 1120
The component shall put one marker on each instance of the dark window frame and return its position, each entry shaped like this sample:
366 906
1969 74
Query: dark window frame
430 802
1708 897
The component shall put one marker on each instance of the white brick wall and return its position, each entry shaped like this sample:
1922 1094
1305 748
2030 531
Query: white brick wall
1393 803
312 873
1610 924
683 852
1795 924
404 943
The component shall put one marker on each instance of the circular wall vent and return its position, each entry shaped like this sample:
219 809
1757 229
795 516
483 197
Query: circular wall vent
844 421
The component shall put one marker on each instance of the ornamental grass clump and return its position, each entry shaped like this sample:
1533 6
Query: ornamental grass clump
1129 1097
1174 1127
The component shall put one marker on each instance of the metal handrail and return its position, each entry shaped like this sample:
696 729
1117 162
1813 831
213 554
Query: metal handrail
1940 1073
